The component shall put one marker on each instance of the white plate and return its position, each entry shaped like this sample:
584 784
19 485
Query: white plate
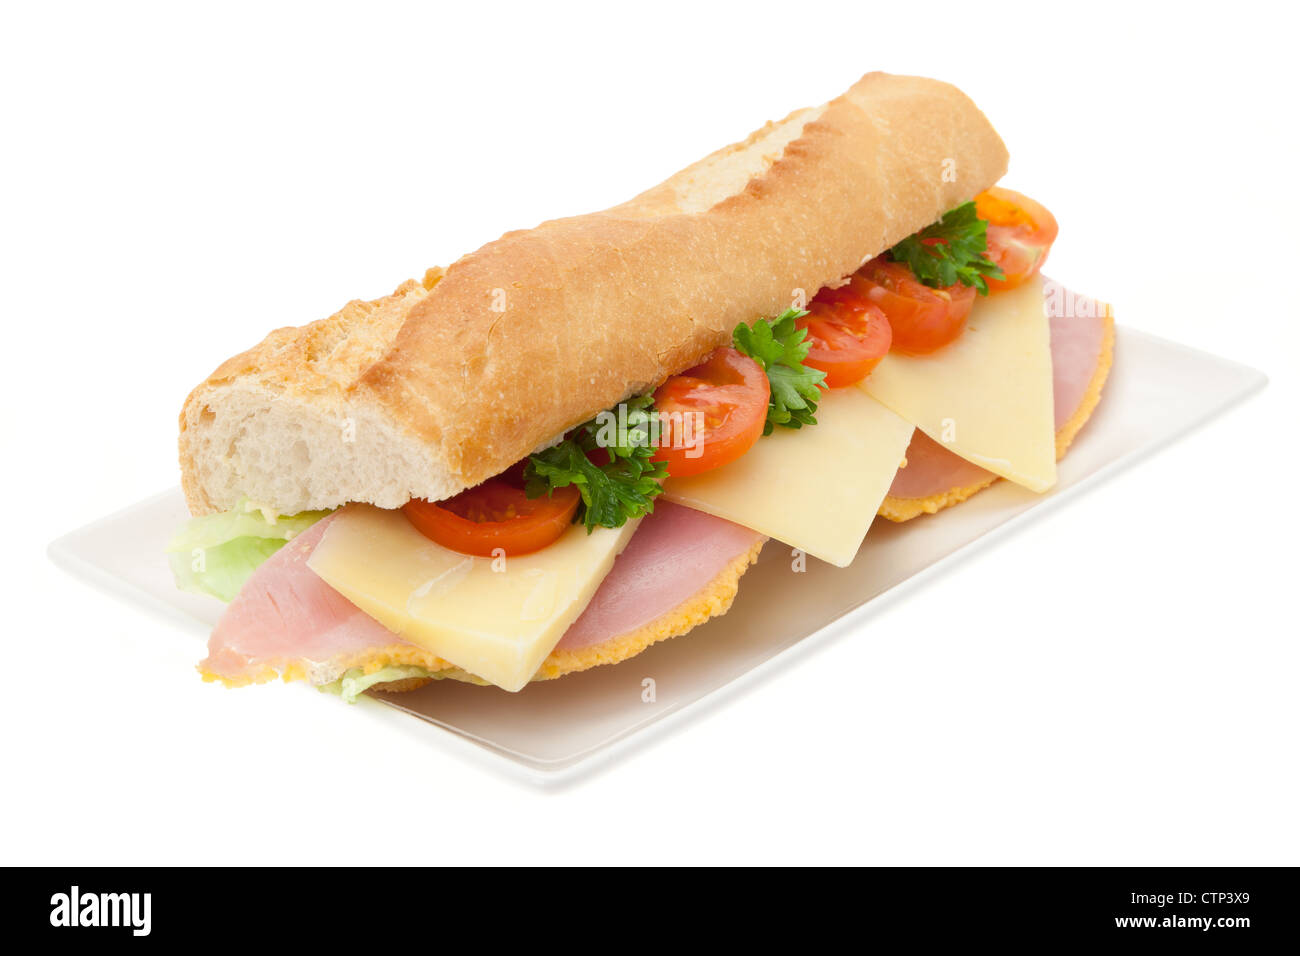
1157 391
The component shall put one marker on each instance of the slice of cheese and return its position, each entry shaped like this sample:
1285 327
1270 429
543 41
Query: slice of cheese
816 488
987 396
495 618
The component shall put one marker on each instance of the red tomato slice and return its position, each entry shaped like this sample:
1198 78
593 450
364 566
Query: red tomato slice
921 319
711 414
849 335
495 514
1020 233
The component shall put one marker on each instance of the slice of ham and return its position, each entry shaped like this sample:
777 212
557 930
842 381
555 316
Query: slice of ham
676 552
1078 329
932 469
1078 332
285 618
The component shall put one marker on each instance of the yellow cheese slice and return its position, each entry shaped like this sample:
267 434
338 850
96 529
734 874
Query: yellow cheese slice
495 618
816 488
987 396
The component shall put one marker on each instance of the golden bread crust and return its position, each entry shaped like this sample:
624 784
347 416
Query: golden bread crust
604 306
544 328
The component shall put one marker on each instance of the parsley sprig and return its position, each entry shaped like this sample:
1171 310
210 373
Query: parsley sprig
626 486
612 493
949 251
780 348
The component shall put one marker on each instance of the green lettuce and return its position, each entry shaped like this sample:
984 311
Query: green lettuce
215 554
354 683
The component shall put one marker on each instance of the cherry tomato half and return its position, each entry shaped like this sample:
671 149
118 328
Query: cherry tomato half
495 514
921 319
848 334
711 414
1020 233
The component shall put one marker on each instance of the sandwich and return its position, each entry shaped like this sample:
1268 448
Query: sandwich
572 443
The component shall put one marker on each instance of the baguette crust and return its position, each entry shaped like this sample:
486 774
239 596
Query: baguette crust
448 383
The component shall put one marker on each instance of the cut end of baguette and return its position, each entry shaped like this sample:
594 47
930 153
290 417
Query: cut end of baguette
280 425
300 454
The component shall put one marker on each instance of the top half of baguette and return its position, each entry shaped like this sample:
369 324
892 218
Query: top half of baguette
451 380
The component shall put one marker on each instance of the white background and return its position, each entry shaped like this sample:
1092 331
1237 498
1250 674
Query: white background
1114 684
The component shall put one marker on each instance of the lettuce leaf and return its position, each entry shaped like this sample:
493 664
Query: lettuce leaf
354 682
215 554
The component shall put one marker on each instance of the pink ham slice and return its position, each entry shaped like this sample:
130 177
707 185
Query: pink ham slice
674 553
286 615
1077 335
1078 331
932 470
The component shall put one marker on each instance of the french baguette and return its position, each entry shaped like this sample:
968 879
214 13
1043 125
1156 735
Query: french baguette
451 380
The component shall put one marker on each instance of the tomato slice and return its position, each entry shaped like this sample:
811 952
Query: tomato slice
848 334
921 319
711 414
495 514
1020 233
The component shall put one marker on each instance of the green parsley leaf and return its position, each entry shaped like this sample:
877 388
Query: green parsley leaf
623 488
780 348
954 253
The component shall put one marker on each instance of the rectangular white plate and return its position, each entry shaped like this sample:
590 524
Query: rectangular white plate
1157 391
